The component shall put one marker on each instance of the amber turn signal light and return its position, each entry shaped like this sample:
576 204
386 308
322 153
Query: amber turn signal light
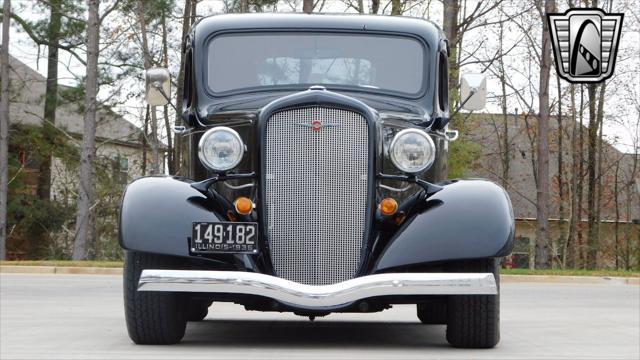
388 206
243 205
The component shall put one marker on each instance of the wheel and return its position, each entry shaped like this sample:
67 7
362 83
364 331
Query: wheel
197 309
473 321
433 311
152 317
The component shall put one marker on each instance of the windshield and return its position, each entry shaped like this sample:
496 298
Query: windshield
245 61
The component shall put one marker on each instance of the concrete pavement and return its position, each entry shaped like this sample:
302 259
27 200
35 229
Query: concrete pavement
81 316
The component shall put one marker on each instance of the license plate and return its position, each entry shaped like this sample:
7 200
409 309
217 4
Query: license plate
224 237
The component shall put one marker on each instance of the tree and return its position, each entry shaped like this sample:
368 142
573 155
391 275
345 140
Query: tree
51 95
579 236
542 207
152 31
155 157
592 144
188 17
245 6
561 211
455 29
630 181
307 6
451 30
4 128
506 144
594 221
165 112
375 6
455 24
88 152
396 7
574 217
60 31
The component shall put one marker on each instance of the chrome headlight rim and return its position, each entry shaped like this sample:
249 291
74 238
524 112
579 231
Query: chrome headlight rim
206 135
431 145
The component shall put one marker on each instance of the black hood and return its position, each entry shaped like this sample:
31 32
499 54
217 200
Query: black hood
249 105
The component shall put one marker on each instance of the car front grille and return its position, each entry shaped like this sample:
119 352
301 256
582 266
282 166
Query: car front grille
316 190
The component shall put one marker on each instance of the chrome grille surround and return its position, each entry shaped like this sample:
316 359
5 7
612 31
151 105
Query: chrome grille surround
316 192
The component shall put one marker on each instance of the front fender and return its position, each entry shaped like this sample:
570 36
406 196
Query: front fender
157 213
467 219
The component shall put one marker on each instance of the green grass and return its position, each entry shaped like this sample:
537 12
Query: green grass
103 264
572 272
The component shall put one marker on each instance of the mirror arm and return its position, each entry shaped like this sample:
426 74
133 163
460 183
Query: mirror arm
158 86
471 93
428 187
203 186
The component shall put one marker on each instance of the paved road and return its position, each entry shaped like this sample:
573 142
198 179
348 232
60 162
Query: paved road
81 316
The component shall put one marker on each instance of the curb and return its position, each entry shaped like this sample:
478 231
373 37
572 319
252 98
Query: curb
561 279
509 279
17 269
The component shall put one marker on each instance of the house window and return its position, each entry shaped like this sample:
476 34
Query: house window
120 166
27 159
28 163
521 254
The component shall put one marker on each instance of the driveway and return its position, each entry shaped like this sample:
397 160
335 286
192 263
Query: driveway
81 316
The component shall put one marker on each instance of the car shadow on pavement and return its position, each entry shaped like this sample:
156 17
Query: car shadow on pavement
269 333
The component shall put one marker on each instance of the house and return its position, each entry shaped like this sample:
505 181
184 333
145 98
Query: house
116 138
45 230
619 228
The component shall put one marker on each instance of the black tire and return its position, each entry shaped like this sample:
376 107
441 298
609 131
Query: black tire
197 309
433 311
473 321
155 318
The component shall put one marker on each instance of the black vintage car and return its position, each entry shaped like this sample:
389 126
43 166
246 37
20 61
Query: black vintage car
315 182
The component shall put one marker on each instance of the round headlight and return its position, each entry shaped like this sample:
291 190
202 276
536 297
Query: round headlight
220 149
412 151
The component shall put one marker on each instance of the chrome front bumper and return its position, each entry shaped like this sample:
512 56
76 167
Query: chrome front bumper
318 296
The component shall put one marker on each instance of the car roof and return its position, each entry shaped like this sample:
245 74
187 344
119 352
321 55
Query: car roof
349 22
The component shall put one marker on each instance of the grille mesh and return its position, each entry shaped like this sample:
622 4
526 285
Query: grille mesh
316 193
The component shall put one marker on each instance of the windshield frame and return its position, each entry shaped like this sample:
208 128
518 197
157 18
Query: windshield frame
426 74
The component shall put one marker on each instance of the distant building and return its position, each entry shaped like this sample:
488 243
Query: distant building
116 138
487 130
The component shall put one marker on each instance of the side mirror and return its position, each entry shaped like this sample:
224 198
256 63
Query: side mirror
473 91
158 86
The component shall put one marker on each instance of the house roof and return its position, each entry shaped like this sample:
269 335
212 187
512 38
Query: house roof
27 89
